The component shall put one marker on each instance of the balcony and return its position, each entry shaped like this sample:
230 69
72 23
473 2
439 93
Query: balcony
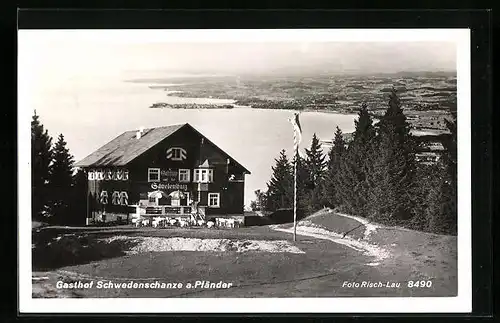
164 210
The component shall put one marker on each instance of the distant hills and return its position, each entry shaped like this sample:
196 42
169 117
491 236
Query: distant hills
171 76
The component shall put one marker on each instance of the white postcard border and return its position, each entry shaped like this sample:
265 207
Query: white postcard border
459 304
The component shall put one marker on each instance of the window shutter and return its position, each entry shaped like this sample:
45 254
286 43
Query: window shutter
115 199
104 197
124 198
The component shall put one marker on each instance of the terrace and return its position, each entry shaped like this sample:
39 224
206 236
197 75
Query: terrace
162 210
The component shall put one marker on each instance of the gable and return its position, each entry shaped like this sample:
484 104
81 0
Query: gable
127 148
186 148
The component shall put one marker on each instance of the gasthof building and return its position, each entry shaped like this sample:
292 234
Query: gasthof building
170 171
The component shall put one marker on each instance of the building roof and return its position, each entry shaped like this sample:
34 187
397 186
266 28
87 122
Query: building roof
126 147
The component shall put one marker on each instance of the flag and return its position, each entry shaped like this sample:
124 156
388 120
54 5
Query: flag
297 134
296 127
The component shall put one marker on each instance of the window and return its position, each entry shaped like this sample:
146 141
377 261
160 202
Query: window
153 174
91 175
104 197
115 198
214 199
99 175
123 198
184 175
204 175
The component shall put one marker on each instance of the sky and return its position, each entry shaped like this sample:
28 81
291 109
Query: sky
74 78
54 57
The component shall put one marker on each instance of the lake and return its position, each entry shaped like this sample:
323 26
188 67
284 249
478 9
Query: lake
91 113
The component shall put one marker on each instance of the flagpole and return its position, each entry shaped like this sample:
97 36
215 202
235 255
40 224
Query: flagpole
295 196
296 128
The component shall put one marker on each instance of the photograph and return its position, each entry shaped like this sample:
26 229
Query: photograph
217 170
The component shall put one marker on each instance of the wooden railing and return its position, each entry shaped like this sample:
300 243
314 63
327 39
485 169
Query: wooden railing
167 210
151 211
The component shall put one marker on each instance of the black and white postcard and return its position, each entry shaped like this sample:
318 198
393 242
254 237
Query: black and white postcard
180 171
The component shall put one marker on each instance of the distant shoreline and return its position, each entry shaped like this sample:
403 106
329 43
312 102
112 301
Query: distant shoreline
189 106
161 105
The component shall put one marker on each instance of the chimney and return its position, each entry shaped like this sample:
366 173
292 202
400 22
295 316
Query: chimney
139 133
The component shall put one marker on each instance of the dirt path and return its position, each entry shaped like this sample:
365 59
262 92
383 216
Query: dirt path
378 254
327 261
410 255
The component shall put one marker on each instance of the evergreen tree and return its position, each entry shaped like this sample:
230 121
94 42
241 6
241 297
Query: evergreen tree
335 155
394 119
351 182
436 208
450 152
448 209
41 157
280 187
337 150
394 190
315 168
304 184
364 129
384 197
447 212
440 212
61 180
315 162
429 180
79 202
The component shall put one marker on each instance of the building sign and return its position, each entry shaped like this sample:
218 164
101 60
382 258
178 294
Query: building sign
161 186
169 175
108 175
176 153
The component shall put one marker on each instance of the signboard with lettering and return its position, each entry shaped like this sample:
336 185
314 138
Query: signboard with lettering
168 187
168 175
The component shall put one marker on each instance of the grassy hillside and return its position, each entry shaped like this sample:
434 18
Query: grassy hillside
328 260
420 255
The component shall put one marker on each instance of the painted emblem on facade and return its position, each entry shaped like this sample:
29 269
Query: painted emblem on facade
176 153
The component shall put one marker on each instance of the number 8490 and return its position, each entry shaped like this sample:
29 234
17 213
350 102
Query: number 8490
420 283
